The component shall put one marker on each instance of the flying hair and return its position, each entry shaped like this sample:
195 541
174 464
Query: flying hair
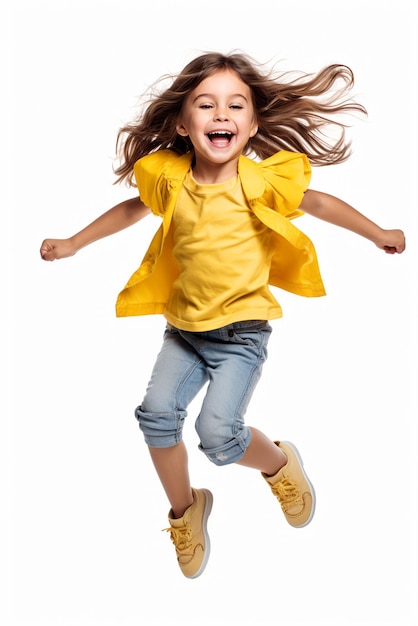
294 111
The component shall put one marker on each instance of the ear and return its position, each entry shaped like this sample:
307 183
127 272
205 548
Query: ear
181 129
254 129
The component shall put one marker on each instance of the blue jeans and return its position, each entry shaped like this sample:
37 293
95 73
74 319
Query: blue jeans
230 360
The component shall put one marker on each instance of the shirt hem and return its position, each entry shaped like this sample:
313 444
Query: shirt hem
220 322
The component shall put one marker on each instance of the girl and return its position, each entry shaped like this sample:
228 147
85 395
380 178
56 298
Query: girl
226 235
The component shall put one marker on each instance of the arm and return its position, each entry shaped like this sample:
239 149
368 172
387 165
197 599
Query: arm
340 213
117 218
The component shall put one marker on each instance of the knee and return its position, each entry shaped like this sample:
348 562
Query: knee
161 430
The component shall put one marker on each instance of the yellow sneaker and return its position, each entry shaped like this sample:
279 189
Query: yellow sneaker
189 534
292 488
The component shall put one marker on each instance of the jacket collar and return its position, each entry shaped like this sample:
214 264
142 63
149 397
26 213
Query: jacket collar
251 178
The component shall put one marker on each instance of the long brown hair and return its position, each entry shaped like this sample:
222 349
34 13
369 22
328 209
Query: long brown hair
295 111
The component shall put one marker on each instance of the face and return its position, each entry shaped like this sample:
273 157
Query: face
218 117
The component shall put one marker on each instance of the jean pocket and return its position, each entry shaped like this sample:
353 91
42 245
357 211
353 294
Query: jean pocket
254 333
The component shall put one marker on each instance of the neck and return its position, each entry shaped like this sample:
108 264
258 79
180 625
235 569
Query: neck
210 173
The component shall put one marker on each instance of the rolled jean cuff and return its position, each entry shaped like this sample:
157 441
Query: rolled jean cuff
161 430
230 452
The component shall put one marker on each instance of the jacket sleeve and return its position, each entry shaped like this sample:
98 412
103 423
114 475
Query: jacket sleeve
151 179
287 176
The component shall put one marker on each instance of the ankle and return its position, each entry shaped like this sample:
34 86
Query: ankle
282 463
177 512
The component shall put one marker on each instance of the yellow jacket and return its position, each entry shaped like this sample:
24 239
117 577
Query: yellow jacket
274 190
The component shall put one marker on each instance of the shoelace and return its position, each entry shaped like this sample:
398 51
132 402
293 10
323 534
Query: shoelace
287 492
181 537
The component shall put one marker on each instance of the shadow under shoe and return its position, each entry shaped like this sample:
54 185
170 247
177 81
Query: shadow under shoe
190 536
292 488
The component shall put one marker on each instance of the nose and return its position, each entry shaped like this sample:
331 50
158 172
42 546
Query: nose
220 115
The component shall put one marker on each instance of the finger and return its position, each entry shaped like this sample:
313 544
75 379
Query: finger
47 254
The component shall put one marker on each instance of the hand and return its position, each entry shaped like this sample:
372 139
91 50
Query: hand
391 241
52 249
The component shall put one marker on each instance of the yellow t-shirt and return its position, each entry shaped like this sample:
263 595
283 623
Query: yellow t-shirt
224 253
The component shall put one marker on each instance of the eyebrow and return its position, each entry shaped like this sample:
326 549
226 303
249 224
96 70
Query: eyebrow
209 95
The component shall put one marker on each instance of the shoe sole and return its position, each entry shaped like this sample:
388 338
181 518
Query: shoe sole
299 458
206 512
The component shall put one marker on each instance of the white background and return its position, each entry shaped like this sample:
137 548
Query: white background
341 376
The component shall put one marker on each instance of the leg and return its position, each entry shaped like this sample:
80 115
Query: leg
178 374
172 469
234 357
263 454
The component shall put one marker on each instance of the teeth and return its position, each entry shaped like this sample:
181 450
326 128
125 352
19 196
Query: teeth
220 133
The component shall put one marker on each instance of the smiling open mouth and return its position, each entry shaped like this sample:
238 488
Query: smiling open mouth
220 138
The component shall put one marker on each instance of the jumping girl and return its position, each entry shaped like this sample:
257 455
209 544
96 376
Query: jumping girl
223 156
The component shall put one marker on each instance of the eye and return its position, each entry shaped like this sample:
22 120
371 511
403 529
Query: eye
236 106
205 106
